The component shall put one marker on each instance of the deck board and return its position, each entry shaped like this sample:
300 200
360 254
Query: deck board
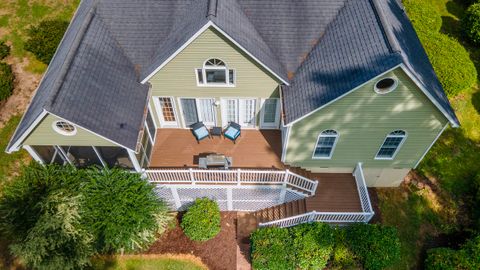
254 149
336 192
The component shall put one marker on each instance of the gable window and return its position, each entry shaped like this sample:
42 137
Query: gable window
391 145
386 85
325 144
215 73
64 128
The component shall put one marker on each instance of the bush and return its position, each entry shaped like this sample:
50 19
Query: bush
468 257
343 257
471 23
450 61
201 222
4 50
6 81
376 246
272 249
313 244
45 38
423 16
135 213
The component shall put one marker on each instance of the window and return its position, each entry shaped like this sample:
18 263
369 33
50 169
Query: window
64 128
215 73
391 145
386 85
167 109
325 144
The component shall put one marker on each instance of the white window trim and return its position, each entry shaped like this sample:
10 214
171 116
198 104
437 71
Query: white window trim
158 110
337 136
227 74
396 150
63 132
392 88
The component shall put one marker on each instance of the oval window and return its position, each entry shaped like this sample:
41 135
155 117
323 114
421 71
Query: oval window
64 128
386 85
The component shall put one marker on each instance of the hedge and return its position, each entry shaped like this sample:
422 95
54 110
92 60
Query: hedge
44 39
6 81
423 16
471 23
272 249
201 222
313 244
468 257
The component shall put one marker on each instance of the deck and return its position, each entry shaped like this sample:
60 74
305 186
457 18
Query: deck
254 149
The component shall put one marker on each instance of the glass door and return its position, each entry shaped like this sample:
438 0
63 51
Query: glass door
270 113
166 111
206 111
189 110
229 111
247 112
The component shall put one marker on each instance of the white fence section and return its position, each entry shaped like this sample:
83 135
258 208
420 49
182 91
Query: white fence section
333 217
228 177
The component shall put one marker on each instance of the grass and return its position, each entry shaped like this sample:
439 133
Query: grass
152 262
8 162
443 207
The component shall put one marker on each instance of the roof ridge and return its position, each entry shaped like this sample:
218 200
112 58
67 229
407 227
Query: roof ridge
70 56
389 36
212 8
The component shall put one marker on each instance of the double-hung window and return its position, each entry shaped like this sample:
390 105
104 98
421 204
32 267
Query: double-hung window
391 145
325 144
215 73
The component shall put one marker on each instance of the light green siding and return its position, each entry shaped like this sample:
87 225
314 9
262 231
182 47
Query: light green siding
177 78
44 134
363 118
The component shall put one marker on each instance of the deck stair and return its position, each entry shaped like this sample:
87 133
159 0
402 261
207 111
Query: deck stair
281 211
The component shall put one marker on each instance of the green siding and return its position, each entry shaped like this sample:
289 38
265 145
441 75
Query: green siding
363 118
177 78
44 134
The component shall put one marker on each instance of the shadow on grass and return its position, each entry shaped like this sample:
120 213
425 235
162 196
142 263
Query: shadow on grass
476 101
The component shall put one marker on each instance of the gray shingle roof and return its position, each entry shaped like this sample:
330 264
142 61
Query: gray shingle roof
324 48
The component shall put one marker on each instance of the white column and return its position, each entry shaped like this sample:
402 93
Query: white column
229 199
33 153
133 159
176 198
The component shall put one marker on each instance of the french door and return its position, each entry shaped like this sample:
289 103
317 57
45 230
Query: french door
166 111
270 113
198 109
241 111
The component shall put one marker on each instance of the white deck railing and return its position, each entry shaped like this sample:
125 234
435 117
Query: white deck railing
334 217
237 177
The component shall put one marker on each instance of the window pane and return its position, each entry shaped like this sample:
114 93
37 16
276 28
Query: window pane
45 152
390 146
167 109
270 110
215 75
115 157
324 146
231 76
232 111
82 156
200 76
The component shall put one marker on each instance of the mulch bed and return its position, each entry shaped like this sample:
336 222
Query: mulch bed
217 253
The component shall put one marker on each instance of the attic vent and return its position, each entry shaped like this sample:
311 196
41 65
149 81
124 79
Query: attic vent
212 8
386 85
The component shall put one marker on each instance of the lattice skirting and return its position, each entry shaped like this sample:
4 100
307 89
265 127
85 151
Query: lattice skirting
229 198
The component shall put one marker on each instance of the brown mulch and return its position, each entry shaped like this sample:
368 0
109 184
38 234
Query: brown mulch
217 253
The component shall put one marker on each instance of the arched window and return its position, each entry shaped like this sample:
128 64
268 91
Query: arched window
391 145
325 144
215 73
64 128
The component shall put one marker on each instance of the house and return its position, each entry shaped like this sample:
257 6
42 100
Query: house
332 96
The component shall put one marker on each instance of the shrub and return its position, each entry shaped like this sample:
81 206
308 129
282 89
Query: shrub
442 259
135 213
272 249
343 257
450 61
313 244
471 23
45 38
4 50
6 81
376 246
201 222
423 16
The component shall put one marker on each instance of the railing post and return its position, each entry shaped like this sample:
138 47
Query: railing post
311 218
229 199
238 177
192 177
144 174
314 188
176 198
285 179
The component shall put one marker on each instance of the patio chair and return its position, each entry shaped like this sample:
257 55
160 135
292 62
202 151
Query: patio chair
200 131
233 131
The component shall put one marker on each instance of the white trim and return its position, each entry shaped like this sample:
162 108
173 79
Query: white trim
429 147
337 135
197 34
340 97
92 132
65 156
404 138
133 159
34 154
27 132
158 110
429 96
150 110
99 157
389 90
285 146
61 131
225 68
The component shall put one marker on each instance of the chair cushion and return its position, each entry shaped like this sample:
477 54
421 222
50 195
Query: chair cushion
201 132
232 133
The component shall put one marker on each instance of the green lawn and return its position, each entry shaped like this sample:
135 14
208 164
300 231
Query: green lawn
161 262
422 214
9 162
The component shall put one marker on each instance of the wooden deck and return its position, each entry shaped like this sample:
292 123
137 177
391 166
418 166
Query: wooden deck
254 149
336 192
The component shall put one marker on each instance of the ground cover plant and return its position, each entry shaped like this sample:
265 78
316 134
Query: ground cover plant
6 81
201 222
147 262
4 50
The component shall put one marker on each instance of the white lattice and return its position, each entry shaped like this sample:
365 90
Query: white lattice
256 194
191 193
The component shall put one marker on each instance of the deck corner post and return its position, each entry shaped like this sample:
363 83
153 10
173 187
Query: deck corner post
238 177
311 218
176 198
192 177
229 199
285 180
144 174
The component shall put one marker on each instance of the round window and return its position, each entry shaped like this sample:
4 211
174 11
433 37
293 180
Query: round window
64 128
386 85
